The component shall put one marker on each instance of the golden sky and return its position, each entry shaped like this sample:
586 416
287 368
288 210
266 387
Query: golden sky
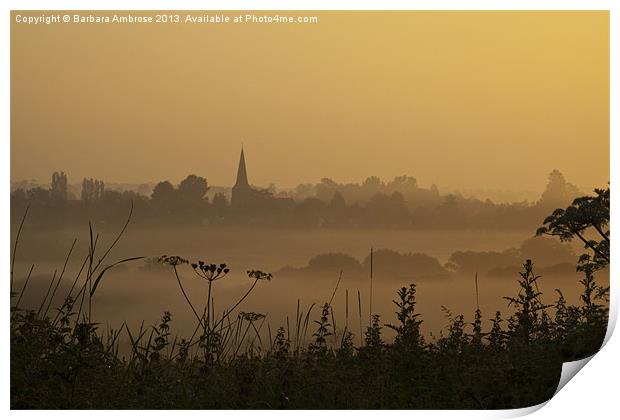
462 99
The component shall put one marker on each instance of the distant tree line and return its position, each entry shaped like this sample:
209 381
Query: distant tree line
400 203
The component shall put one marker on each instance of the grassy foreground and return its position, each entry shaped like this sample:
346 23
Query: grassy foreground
63 362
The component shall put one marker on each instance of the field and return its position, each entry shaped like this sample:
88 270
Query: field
218 336
131 294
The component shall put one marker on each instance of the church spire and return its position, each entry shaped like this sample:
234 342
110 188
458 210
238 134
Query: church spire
242 176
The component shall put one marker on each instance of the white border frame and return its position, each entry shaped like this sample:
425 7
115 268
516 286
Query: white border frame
592 394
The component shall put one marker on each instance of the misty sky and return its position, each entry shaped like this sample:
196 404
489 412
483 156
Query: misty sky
463 99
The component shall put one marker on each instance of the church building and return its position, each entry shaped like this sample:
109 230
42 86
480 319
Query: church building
244 197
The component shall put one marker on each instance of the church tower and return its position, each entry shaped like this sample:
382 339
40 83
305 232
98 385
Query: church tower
242 191
242 176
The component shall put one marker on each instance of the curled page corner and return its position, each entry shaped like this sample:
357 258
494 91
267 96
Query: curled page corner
611 323
519 412
569 370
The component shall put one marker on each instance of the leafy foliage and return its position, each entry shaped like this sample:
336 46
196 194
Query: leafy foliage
588 214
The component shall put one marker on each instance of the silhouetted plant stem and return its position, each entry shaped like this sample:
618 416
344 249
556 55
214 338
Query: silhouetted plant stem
19 231
64 267
589 245
208 308
118 237
359 307
21 294
600 231
229 311
176 273
77 277
370 297
46 294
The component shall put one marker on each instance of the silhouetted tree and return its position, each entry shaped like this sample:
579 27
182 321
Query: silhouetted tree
403 183
558 192
38 196
92 190
192 200
59 186
388 211
163 192
193 188
587 215
18 197
337 202
310 212
219 206
373 182
337 210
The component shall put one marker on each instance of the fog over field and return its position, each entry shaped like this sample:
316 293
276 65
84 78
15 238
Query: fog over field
142 290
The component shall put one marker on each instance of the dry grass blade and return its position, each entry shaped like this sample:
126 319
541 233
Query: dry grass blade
100 276
19 231
359 306
306 323
21 294
64 267
46 294
331 299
